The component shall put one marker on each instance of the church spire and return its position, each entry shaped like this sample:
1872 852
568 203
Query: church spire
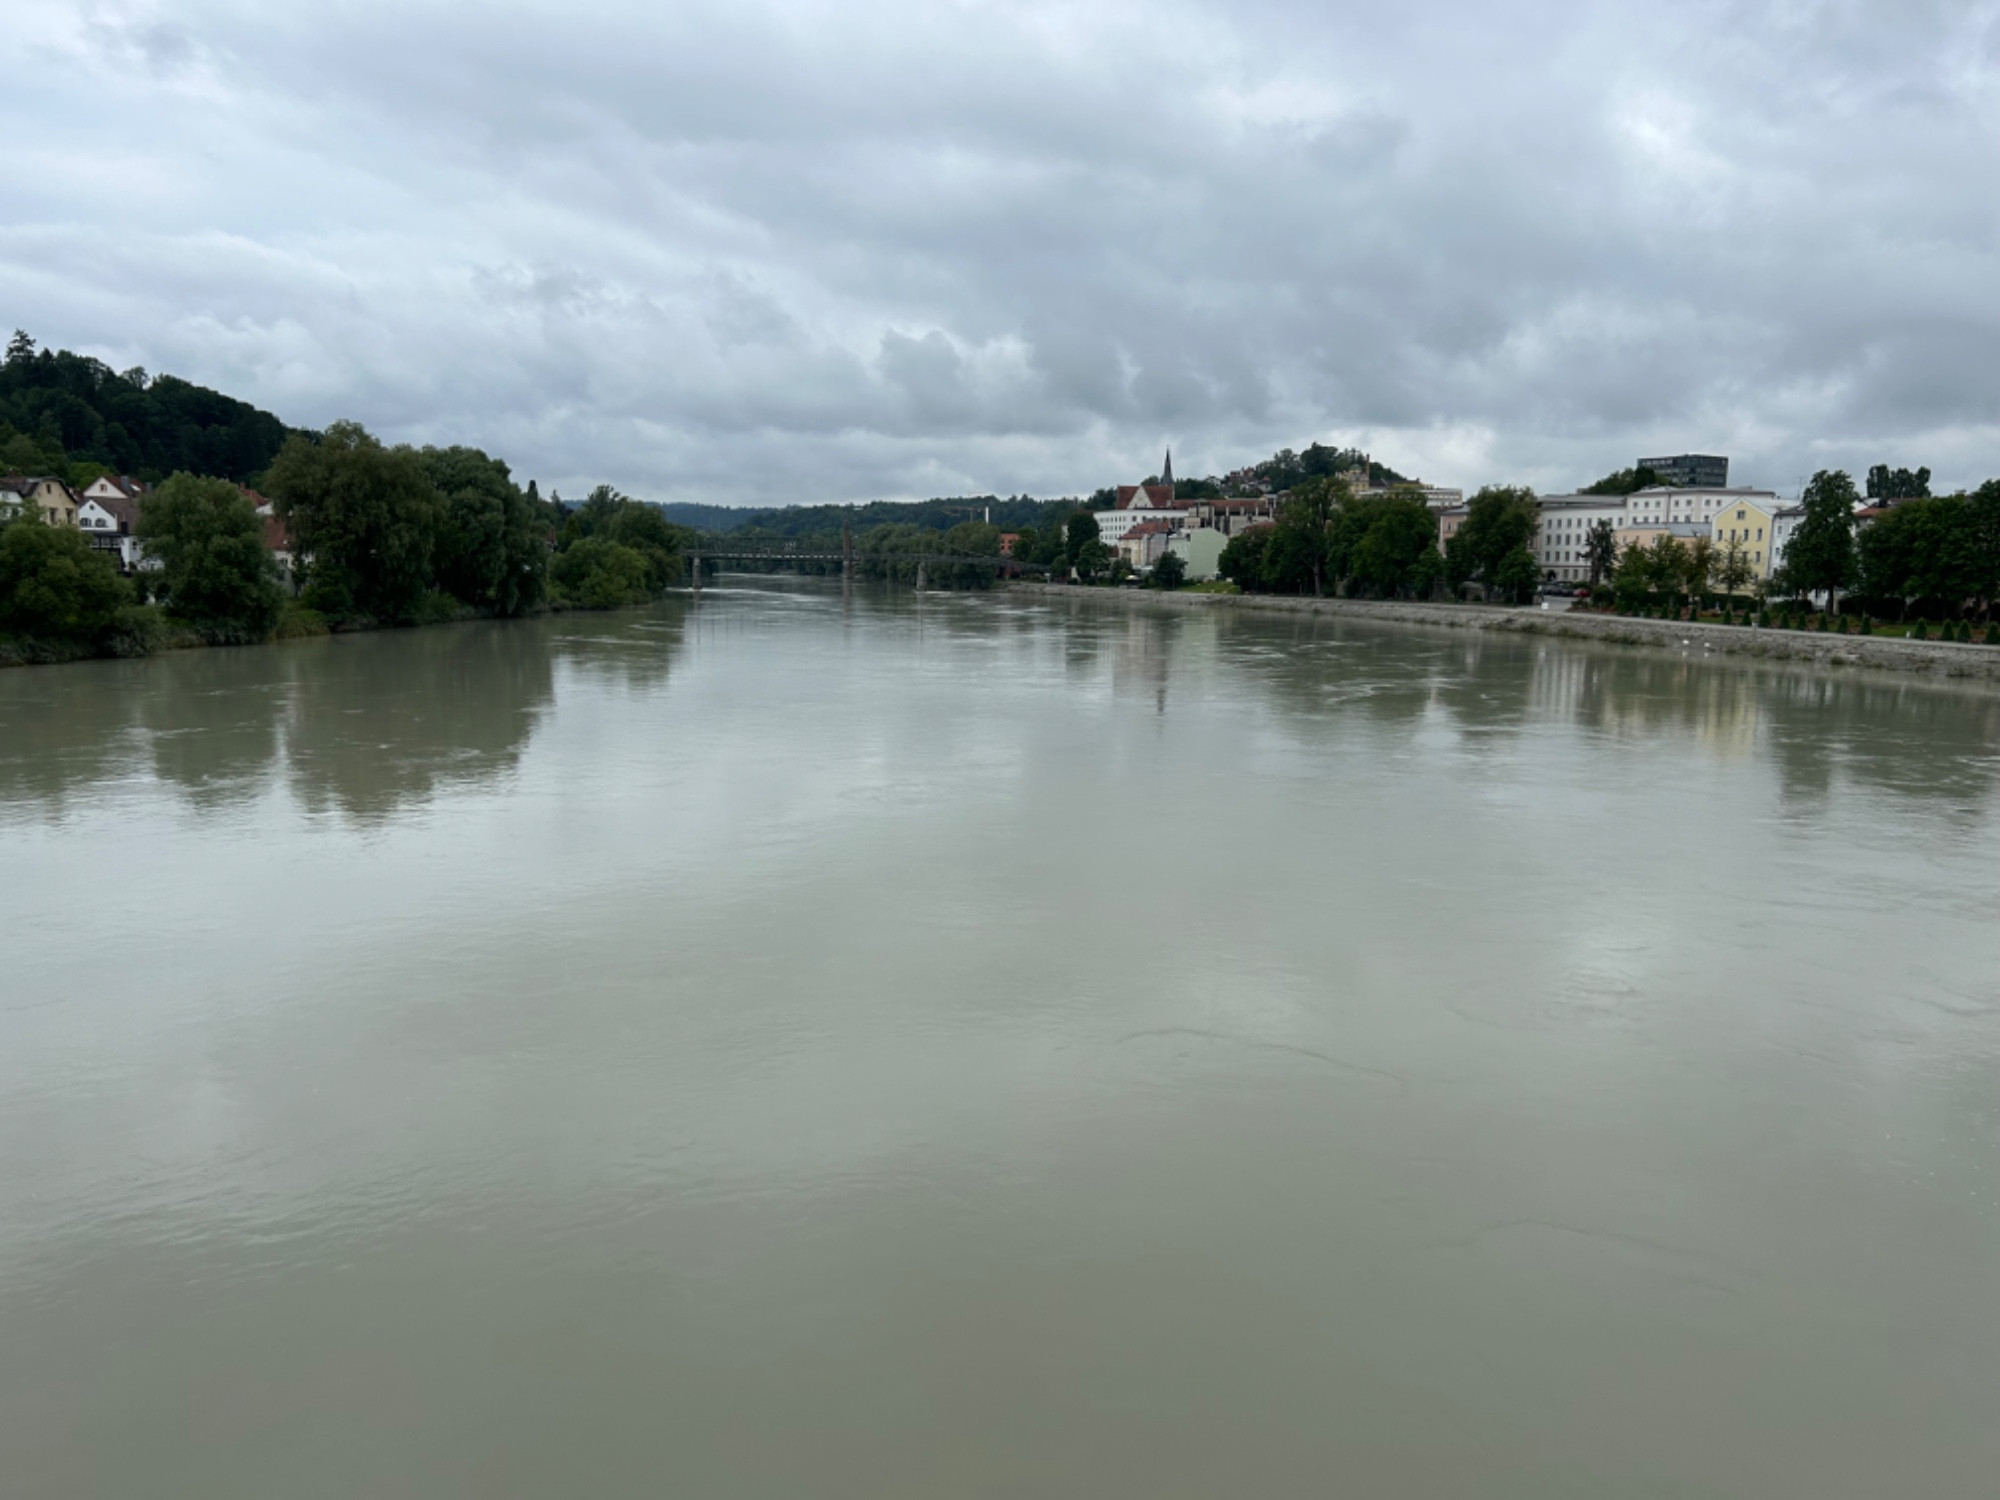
1167 470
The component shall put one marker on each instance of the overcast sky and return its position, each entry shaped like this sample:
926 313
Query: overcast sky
762 251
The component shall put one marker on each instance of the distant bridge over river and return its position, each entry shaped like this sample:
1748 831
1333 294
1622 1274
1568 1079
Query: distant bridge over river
705 550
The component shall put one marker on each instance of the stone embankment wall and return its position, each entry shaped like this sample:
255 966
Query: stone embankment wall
1894 654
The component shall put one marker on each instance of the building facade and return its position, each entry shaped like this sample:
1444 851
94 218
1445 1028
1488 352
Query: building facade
1746 527
1708 471
1562 533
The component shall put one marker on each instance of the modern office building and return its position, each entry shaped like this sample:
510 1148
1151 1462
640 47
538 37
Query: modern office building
1703 471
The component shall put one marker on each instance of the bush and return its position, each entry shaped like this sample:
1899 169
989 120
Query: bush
1993 633
1916 631
298 621
598 574
1170 572
436 607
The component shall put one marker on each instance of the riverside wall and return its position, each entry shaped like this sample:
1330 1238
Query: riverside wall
1893 654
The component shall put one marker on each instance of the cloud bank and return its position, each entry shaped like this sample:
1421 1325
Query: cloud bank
770 251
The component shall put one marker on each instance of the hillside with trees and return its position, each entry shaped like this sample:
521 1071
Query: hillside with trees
72 416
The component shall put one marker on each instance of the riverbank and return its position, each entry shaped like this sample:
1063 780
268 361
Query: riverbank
1933 658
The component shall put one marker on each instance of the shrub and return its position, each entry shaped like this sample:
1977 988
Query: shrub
1916 631
436 607
598 574
298 621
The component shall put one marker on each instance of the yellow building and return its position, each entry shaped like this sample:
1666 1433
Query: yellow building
1745 527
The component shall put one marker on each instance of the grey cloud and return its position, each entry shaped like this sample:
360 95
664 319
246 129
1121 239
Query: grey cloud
768 251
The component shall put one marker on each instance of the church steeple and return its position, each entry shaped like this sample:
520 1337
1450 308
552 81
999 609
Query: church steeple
1167 470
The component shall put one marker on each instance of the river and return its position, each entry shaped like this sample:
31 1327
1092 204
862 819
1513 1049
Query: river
774 1045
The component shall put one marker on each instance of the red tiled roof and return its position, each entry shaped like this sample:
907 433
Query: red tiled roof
1149 528
275 536
1155 496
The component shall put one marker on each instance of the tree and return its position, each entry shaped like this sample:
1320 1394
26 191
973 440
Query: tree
595 572
53 584
1983 520
1170 572
1636 577
490 549
216 571
1623 482
1885 483
1242 560
1499 521
1517 575
1297 552
1733 571
1382 541
1820 558
364 518
1600 550
1670 566
1698 561
1084 549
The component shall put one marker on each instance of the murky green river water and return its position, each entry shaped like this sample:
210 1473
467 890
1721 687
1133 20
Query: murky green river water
768 1047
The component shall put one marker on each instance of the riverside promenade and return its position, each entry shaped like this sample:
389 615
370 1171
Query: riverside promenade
1893 654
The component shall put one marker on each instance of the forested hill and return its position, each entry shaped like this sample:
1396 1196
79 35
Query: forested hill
821 520
72 415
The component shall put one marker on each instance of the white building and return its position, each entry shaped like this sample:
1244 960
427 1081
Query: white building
1138 504
1562 534
1784 525
1663 506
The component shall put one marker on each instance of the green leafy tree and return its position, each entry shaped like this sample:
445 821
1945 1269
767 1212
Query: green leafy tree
1242 560
1170 572
1623 482
1885 483
54 585
1733 572
1499 522
1697 563
215 571
1084 548
1517 575
490 549
1820 558
1983 519
364 518
1600 550
1298 552
1382 540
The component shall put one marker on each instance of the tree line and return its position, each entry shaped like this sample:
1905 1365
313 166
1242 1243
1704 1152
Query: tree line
381 535
1385 545
1926 555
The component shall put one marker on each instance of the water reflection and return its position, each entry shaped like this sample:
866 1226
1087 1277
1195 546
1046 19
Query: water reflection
379 721
360 726
1909 736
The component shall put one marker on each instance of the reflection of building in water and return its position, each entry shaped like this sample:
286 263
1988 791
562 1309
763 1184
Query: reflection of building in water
1715 705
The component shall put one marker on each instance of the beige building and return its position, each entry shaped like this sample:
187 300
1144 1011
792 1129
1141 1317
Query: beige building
1751 527
51 497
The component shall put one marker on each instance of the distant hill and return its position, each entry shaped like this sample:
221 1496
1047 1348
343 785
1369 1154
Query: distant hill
820 520
72 415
